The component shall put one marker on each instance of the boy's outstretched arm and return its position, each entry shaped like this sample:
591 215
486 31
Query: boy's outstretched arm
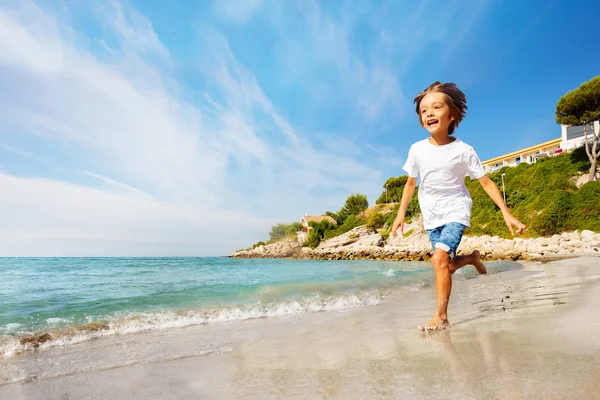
492 190
407 193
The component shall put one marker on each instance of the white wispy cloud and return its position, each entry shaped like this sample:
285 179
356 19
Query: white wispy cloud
20 152
179 176
119 186
137 162
135 30
239 10
370 85
369 73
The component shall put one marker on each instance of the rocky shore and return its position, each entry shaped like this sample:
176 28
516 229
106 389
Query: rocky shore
365 243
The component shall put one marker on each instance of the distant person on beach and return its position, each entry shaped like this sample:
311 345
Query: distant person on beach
443 162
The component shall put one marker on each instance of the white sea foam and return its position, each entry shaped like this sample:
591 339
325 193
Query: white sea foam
139 322
10 344
56 321
8 328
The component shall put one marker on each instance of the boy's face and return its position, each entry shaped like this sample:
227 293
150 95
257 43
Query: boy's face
435 113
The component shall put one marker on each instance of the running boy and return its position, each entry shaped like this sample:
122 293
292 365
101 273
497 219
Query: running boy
443 162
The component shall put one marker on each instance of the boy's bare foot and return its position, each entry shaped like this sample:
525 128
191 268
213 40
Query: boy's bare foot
477 262
436 324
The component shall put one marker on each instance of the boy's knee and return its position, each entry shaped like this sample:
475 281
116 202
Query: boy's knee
440 259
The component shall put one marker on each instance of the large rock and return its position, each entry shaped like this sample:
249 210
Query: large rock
284 249
587 236
359 236
36 340
366 243
360 242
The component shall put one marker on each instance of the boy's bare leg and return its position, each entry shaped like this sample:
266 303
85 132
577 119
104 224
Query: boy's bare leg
443 284
472 259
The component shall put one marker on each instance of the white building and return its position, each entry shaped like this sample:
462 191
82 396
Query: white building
573 136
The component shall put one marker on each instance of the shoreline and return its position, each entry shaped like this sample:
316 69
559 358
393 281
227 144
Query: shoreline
512 332
390 279
362 243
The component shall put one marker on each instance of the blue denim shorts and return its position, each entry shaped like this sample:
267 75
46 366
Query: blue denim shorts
447 237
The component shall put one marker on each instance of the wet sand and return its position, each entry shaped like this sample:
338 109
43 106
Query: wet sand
517 334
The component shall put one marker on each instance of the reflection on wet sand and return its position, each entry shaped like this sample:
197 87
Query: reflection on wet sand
504 355
444 364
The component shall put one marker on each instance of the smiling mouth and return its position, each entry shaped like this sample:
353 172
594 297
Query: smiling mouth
432 122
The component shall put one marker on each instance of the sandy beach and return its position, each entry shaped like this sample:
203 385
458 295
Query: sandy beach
516 334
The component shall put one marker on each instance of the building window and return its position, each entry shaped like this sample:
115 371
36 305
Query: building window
574 132
518 160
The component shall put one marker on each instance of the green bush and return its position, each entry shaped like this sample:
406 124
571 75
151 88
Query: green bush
350 223
292 229
585 213
540 195
391 216
316 234
412 211
555 218
376 220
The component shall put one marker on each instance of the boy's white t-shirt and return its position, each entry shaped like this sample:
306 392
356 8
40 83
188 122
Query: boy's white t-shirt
443 196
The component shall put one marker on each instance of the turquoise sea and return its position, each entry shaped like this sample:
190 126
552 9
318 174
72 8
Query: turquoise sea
70 298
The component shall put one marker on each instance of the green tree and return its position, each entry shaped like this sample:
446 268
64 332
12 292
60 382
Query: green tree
332 215
355 204
582 107
316 234
277 232
293 228
281 230
392 190
350 223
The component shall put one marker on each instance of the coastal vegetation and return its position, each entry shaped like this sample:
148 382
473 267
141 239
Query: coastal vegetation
281 231
355 204
545 197
346 219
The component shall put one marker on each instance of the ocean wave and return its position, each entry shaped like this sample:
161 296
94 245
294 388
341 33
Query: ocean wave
11 345
8 328
15 340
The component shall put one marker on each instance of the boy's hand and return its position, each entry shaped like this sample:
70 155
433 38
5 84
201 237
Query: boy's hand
397 224
510 221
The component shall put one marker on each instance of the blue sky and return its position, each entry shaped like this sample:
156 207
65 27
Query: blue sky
189 128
